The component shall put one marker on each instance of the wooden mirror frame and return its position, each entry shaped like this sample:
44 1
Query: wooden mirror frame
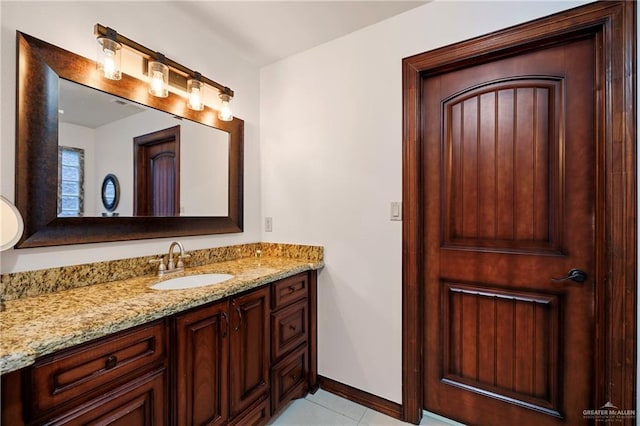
40 66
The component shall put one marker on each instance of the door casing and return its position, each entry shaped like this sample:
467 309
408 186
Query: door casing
614 26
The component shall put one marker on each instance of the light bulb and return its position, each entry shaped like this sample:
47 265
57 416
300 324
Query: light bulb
194 90
158 79
109 58
156 83
225 113
109 65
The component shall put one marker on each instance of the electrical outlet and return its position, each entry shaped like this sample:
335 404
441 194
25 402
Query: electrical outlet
268 224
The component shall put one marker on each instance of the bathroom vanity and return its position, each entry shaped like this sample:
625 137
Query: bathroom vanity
95 344
233 353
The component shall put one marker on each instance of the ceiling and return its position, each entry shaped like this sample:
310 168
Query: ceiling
262 32
85 107
266 31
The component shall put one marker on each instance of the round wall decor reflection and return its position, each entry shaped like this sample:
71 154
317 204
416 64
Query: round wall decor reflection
110 192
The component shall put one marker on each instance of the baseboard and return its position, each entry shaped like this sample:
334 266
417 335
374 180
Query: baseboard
390 408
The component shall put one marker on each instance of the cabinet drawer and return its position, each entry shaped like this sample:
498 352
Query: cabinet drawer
288 329
79 372
256 416
289 378
140 402
289 290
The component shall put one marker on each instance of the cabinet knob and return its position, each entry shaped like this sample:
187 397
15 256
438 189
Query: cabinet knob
291 289
292 328
111 362
294 377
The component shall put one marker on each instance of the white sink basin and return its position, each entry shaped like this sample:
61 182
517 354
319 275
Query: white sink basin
191 281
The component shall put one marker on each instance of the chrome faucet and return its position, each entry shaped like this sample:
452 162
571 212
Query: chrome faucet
172 266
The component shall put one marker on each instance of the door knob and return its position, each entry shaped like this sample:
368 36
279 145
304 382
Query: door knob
575 275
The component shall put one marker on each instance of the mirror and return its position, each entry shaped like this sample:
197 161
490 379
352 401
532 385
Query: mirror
44 73
104 128
110 194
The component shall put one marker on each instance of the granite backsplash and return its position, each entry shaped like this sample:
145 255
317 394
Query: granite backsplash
33 283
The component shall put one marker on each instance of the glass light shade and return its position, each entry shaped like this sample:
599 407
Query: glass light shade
158 79
195 93
225 113
109 58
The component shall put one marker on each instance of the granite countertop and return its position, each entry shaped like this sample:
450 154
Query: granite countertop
40 325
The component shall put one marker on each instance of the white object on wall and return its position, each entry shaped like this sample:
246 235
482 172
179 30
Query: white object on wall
11 224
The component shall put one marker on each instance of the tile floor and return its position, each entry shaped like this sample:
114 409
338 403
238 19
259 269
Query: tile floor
327 409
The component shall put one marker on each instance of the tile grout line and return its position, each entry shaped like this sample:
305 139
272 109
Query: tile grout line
362 416
334 411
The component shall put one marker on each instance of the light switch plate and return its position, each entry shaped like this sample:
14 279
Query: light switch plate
396 210
268 224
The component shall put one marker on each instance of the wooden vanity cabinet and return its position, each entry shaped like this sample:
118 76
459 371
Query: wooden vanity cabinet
219 344
233 362
119 379
290 338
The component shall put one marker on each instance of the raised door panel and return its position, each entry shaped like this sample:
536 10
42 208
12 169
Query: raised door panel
502 175
255 416
503 344
202 365
289 378
289 329
249 349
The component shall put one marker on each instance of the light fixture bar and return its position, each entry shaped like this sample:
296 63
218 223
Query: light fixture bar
102 31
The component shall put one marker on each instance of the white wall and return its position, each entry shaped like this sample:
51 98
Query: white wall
157 25
331 136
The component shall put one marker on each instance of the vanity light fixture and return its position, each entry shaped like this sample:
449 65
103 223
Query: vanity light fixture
225 113
161 72
195 93
158 74
109 57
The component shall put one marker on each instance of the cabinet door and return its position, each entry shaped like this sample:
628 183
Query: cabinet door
249 349
202 366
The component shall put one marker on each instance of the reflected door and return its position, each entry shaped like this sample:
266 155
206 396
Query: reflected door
157 173
509 178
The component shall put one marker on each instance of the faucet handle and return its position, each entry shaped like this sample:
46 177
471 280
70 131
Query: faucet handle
160 261
180 263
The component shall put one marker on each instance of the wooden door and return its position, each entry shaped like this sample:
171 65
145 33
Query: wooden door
157 173
249 349
509 180
202 365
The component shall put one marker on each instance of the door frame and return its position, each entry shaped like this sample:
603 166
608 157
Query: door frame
614 26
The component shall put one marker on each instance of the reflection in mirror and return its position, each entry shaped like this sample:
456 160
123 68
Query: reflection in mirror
110 194
102 129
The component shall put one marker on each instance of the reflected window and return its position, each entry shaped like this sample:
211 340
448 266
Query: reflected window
70 181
